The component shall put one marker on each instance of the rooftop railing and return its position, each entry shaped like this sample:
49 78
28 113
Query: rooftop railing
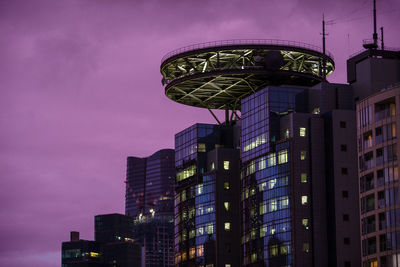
244 42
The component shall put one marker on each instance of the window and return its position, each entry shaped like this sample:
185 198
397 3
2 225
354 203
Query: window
192 253
282 156
347 264
344 171
212 166
226 164
200 250
303 177
183 256
273 250
263 208
303 155
302 132
304 200
304 222
228 248
345 217
273 205
306 247
287 133
227 205
343 148
284 203
201 148
345 194
284 249
263 231
346 241
227 226
342 124
227 265
226 185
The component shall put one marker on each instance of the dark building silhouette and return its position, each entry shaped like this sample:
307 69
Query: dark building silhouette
149 198
113 246
149 184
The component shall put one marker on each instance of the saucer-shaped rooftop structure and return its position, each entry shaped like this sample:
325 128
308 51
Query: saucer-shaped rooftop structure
217 75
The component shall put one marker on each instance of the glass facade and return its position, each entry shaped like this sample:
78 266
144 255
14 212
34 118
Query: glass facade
266 176
379 179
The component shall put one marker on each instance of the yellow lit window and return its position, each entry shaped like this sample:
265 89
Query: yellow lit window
201 148
253 257
253 234
303 155
212 165
192 253
226 185
186 173
304 200
199 189
184 256
227 205
373 263
284 249
262 186
94 254
287 133
302 131
227 226
192 233
282 156
209 228
273 250
200 231
263 208
306 247
304 222
271 160
262 164
252 168
303 177
263 230
227 265
226 164
273 230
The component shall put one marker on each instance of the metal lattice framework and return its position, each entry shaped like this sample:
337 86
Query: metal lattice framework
218 75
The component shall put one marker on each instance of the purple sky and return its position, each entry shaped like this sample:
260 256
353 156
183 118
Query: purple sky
80 90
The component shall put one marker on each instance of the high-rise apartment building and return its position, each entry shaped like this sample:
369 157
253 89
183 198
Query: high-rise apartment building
149 184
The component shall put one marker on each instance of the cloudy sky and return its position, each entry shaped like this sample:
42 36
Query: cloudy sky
80 90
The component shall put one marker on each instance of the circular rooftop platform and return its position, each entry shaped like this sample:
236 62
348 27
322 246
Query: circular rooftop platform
217 75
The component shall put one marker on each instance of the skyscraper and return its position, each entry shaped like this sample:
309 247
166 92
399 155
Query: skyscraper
149 184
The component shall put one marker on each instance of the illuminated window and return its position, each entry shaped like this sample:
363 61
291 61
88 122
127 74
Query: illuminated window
284 249
263 208
271 160
303 154
282 156
262 186
304 200
212 165
226 185
200 250
186 173
183 195
251 168
253 257
287 133
209 228
192 233
95 254
304 222
273 250
192 253
227 265
227 226
303 177
273 230
271 183
284 203
263 230
184 257
201 147
200 231
262 164
199 190
306 247
227 205
273 205
302 131
226 164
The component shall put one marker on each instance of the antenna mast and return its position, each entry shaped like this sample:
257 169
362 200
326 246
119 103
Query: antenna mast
323 48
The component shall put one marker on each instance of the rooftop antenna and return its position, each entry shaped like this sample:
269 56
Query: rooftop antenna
382 46
367 43
323 48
